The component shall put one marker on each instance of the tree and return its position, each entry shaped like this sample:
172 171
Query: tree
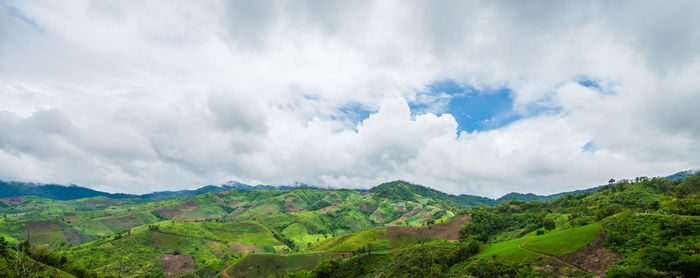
654 205
549 224
611 181
3 247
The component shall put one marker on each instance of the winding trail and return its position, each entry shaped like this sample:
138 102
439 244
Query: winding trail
552 257
223 273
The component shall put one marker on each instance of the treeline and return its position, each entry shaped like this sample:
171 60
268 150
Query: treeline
432 259
654 245
29 261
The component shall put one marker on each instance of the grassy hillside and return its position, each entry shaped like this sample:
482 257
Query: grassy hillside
266 265
560 243
645 227
640 228
131 236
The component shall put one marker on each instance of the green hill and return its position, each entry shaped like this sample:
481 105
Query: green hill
642 227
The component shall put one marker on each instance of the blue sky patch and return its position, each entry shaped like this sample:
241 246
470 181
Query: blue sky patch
603 88
474 109
590 84
14 12
354 112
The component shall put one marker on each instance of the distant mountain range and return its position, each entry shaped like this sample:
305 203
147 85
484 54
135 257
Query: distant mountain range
395 190
71 192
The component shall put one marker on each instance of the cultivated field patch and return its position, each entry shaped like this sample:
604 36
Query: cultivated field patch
176 264
448 230
44 232
120 224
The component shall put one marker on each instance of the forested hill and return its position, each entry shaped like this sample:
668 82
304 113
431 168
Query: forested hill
73 192
52 191
397 190
541 198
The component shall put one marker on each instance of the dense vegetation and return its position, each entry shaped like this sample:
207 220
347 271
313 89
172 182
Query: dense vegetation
633 228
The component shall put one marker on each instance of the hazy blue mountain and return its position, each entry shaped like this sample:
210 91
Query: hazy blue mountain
71 192
399 190
681 175
541 198
53 191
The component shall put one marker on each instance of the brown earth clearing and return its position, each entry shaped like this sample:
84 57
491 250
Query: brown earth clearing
170 213
593 257
13 200
448 230
367 207
176 264
245 248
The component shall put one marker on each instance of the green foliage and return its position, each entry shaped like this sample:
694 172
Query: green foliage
653 244
653 222
687 206
487 222
266 265
424 260
508 251
491 268
548 223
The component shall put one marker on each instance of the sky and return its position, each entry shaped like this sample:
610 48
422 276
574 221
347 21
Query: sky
467 97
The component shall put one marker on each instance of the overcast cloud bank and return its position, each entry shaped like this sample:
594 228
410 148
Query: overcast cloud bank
138 96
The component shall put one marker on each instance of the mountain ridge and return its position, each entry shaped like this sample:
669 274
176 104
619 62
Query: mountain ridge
401 187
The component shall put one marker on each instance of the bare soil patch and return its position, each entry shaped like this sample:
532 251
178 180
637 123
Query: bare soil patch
379 217
245 248
170 213
405 216
68 218
13 200
368 207
290 199
410 213
176 264
188 204
594 257
237 212
448 230
289 204
330 209
291 209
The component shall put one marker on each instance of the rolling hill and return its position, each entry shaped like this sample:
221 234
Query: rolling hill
392 230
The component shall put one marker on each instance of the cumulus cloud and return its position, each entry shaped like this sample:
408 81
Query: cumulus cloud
137 97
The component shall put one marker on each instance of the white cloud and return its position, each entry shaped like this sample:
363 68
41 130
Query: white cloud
136 97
